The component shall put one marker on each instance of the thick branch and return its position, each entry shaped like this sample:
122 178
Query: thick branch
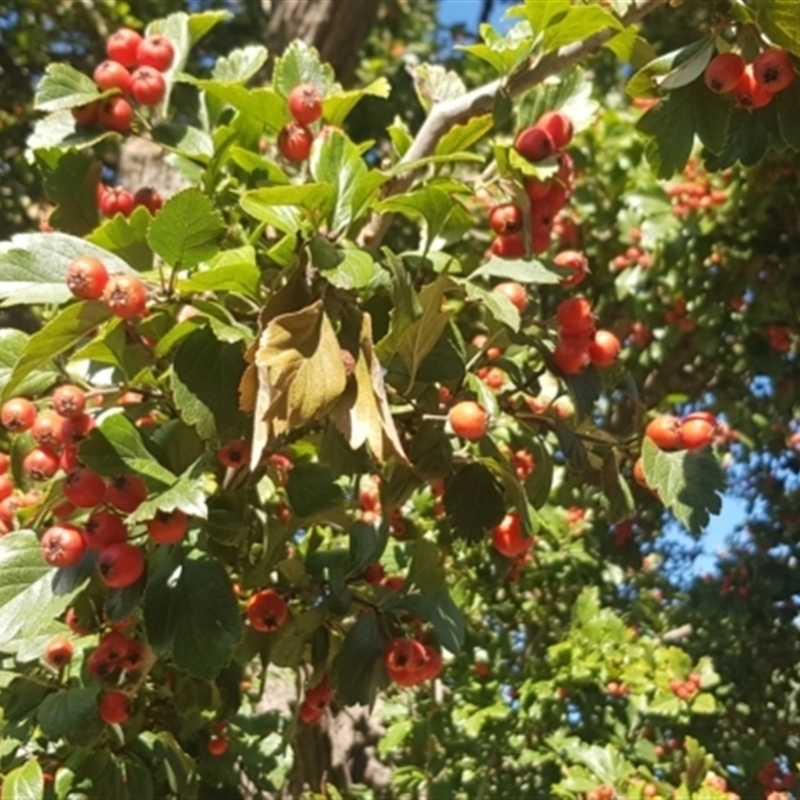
480 101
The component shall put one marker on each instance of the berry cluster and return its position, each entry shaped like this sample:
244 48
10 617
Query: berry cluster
546 139
751 85
409 661
579 342
124 294
113 200
315 702
686 690
295 138
134 68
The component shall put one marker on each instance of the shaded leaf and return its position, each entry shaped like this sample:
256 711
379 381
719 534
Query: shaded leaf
445 616
336 107
473 501
68 711
359 666
311 489
70 181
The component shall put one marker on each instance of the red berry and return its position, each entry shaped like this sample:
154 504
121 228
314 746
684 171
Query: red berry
305 103
84 488
508 246
571 356
126 492
468 419
234 454
148 86
217 745
506 218
6 486
104 528
508 537
267 611
664 431
69 400
40 464
155 51
125 295
47 428
58 652
115 114
559 126
149 198
404 660
112 75
18 414
697 432
168 527
433 664
773 70
121 46
116 200
120 565
63 545
86 277
75 429
723 72
575 315
604 348
576 263
88 115
5 463
749 93
515 293
294 142
114 707
534 144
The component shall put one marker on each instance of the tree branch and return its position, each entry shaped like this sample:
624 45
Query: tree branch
480 101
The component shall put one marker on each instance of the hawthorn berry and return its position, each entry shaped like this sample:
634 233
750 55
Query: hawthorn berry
723 72
87 116
468 419
58 652
508 246
6 487
125 295
534 144
148 86
404 660
696 432
509 538
537 189
749 93
575 316
104 528
155 51
665 432
234 454
46 428
217 745
84 488
574 261
294 142
115 114
604 348
773 69
75 429
120 565
40 464
149 198
122 45
116 200
571 356
506 218
305 103
126 492
515 293
114 707
267 611
559 126
86 277
316 700
112 75
168 527
5 463
63 545
18 414
69 400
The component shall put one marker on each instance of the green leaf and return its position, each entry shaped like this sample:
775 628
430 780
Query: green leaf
62 86
435 83
301 63
498 305
191 613
12 345
240 64
688 482
538 485
431 205
187 229
33 265
394 737
462 137
67 711
337 106
704 703
748 139
313 198
516 270
779 20
347 267
359 664
70 181
236 273
204 380
670 126
506 52
25 782
59 130
127 238
61 333
116 447
645 82
28 604
186 494
688 70
185 140
473 501
445 616
311 489
585 389
263 107
571 446
616 492
425 572
787 106
579 23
